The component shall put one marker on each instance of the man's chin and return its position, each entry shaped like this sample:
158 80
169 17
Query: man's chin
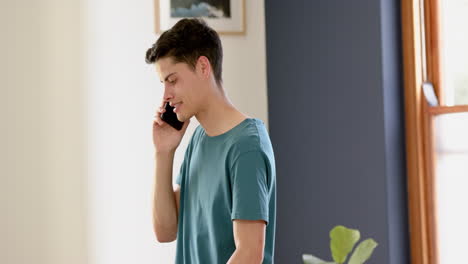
182 118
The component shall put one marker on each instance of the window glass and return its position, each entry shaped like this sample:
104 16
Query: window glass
451 181
454 41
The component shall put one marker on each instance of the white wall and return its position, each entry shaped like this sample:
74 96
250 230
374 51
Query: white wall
77 104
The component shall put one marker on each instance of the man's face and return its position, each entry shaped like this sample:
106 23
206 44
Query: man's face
182 87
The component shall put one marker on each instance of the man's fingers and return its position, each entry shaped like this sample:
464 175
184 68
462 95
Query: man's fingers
159 111
157 118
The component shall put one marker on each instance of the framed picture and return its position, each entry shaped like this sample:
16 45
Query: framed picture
224 16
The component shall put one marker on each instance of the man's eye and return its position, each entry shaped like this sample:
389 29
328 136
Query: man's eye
172 81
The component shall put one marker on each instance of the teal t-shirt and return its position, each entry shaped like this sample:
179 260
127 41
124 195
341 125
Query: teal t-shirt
222 178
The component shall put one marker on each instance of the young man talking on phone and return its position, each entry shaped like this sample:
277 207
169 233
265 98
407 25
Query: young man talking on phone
223 207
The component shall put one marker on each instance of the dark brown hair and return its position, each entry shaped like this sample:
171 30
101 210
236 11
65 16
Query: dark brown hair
185 42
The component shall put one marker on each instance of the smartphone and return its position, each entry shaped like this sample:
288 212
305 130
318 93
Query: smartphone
171 118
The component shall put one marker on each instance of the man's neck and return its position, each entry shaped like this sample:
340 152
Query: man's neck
219 116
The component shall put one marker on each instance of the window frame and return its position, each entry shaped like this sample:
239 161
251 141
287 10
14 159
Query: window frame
422 62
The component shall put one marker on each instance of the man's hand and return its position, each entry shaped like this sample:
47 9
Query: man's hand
165 137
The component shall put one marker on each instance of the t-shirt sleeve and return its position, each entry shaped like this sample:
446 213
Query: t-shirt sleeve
187 154
183 167
250 192
181 172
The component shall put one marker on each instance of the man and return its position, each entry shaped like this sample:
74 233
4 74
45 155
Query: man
223 208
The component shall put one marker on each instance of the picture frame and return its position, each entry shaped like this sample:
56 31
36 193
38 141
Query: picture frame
227 17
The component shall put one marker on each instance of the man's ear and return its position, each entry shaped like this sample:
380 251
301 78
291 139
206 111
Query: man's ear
204 66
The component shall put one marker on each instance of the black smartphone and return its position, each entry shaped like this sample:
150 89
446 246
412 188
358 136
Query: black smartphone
171 118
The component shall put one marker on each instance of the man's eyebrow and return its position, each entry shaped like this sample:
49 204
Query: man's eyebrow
167 77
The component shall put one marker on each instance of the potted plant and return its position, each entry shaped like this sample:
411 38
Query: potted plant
342 241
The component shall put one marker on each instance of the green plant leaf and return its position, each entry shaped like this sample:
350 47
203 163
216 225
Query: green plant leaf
363 251
309 259
342 242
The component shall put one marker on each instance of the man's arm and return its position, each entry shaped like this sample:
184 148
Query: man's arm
165 201
249 237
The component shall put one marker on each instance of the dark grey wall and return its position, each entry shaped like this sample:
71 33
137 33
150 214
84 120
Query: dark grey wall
336 123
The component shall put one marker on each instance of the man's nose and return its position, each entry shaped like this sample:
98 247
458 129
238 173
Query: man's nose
167 94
